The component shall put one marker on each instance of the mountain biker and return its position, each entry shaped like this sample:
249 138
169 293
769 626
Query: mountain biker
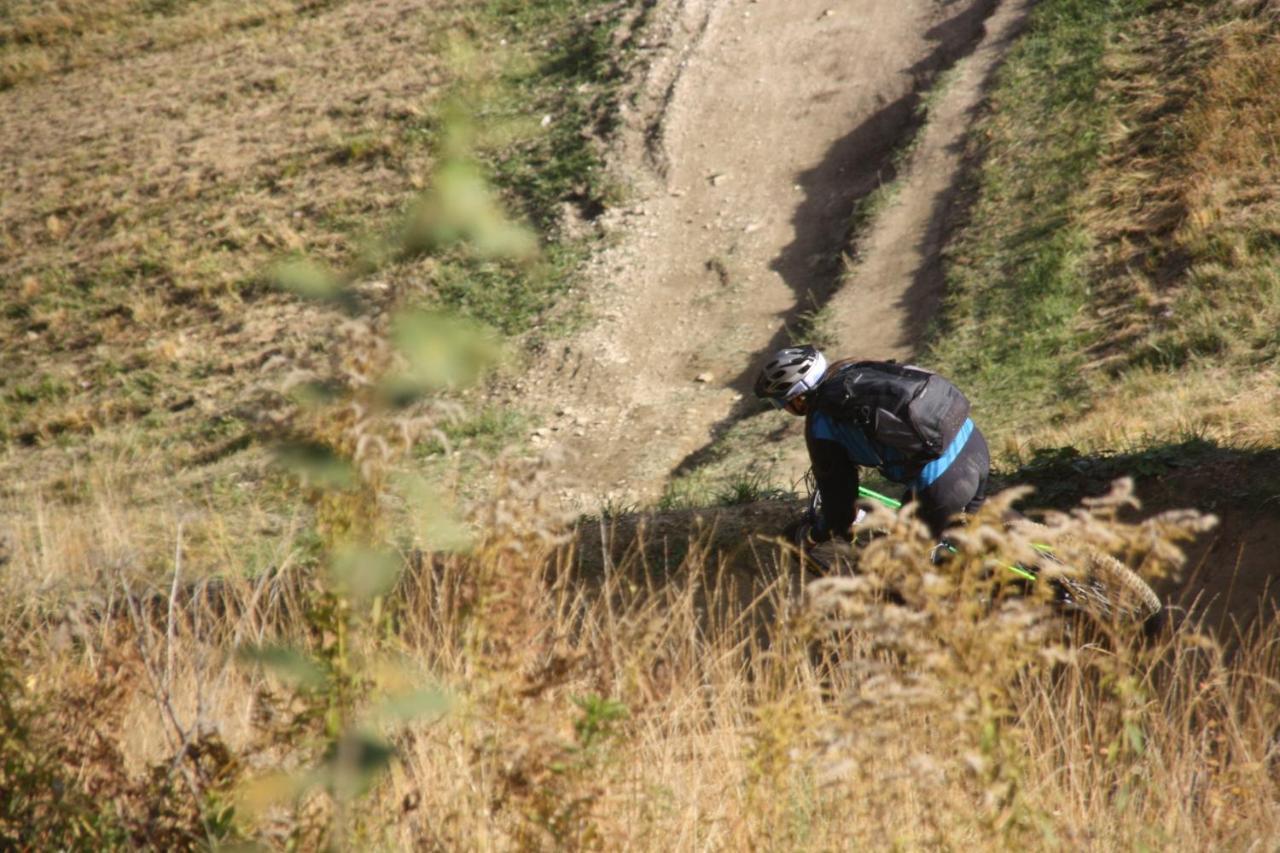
843 433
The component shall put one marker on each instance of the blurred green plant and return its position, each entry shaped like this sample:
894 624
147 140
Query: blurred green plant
344 697
388 378
461 210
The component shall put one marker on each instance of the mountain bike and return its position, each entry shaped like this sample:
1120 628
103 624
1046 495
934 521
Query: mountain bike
1103 587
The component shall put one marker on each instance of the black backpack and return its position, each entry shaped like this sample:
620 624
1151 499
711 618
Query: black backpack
908 408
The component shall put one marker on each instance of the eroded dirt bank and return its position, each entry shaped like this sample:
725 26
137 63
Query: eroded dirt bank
754 131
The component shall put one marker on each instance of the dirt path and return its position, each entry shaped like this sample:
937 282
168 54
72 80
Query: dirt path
757 126
899 278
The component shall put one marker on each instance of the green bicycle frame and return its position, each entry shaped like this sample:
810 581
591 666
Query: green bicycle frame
891 503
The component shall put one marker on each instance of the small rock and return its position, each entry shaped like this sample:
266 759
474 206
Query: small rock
541 432
718 178
704 378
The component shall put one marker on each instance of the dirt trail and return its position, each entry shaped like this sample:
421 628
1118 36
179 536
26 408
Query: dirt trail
756 128
899 279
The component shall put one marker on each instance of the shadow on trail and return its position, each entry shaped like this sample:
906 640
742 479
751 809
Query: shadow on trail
1228 581
854 167
1231 571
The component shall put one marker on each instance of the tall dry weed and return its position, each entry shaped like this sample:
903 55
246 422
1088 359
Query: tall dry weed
697 702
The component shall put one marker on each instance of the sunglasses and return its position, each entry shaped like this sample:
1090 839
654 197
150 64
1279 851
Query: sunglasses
797 405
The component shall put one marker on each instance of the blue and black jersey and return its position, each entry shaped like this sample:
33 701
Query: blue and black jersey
953 482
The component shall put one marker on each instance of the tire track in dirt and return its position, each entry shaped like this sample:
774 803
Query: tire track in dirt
756 127
899 272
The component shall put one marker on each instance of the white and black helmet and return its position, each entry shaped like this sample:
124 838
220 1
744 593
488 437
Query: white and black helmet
791 372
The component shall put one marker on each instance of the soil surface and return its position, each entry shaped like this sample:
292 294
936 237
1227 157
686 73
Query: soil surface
754 131
757 128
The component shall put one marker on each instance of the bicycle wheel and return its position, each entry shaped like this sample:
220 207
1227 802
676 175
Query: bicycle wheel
1108 590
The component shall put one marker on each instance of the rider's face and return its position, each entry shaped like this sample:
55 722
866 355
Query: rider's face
798 405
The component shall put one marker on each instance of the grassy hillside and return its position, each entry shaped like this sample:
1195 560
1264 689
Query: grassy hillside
168 165
201 648
1117 283
140 236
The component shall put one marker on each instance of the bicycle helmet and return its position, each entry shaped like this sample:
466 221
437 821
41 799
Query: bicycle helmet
791 372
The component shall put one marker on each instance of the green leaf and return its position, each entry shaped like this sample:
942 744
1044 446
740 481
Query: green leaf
462 208
365 573
316 464
287 663
414 705
442 353
259 795
435 517
354 761
1137 738
316 393
314 283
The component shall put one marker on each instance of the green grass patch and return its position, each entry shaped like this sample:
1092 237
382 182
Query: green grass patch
1123 217
47 387
1018 276
703 488
488 432
571 88
511 297
815 326
540 121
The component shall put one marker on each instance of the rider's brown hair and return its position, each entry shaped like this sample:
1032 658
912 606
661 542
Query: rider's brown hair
836 366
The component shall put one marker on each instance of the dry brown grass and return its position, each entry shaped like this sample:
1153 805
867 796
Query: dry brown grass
1186 208
146 194
39 38
691 693
689 705
1212 403
151 193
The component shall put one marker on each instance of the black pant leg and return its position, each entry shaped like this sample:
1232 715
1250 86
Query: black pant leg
961 488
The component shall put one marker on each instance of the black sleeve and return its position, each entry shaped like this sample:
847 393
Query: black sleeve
837 479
